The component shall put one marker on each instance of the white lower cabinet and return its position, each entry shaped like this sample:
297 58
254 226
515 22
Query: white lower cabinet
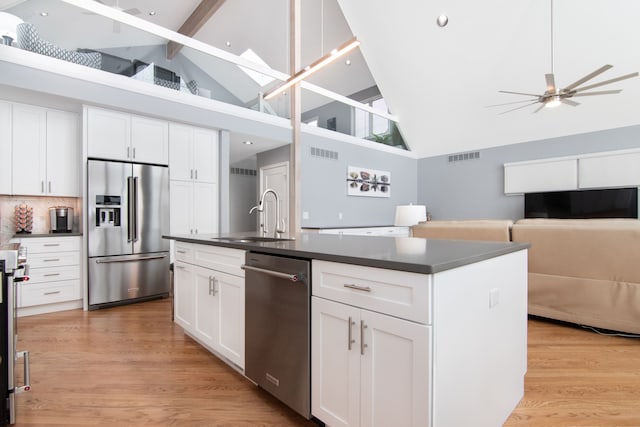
364 360
209 304
54 271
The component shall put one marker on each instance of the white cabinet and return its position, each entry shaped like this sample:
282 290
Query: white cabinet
193 207
116 135
539 176
609 170
48 141
209 302
407 349
54 270
193 172
5 147
193 153
363 360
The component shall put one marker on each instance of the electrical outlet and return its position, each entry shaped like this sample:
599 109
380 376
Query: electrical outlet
340 216
494 297
305 215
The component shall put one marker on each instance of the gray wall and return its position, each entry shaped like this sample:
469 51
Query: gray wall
474 189
324 185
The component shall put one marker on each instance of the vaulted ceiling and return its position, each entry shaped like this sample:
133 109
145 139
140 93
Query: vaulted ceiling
437 81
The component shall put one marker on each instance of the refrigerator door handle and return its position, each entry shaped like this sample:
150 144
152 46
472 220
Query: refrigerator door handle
135 208
129 209
120 259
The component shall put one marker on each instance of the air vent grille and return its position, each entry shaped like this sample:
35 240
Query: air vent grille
243 171
464 156
325 154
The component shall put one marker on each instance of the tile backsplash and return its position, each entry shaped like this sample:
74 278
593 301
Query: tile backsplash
41 207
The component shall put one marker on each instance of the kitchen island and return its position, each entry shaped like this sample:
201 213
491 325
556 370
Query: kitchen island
404 331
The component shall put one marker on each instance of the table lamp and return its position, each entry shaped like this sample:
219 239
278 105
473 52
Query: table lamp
408 215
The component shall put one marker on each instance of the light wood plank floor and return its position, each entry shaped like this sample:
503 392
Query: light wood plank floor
131 365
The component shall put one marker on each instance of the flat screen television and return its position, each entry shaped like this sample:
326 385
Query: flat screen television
608 203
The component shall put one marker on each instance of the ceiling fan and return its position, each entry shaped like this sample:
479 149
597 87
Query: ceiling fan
116 25
554 95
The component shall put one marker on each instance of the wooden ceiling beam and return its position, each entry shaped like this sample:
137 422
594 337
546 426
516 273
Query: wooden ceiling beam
202 13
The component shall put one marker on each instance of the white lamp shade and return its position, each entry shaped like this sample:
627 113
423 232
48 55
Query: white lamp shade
8 24
407 215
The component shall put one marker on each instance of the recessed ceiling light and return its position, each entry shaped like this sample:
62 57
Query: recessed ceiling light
348 62
44 13
152 13
442 20
228 44
247 142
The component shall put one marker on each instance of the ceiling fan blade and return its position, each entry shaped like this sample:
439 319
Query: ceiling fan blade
600 92
539 108
551 83
518 108
569 102
509 103
519 93
587 77
606 82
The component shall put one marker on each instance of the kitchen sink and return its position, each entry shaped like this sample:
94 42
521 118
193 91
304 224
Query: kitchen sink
252 239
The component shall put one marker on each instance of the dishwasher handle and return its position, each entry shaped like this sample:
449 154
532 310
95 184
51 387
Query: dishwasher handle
292 277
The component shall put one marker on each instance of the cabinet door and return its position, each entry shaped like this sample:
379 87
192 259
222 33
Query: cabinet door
184 295
149 140
206 307
180 152
180 207
335 365
29 150
395 366
63 154
205 155
108 134
5 147
205 208
230 293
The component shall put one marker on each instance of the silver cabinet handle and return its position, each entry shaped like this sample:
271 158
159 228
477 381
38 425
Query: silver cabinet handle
180 267
51 244
190 173
128 155
350 337
181 252
134 152
51 275
147 258
210 285
42 186
357 288
362 344
52 293
292 277
215 292
51 260
49 186
196 173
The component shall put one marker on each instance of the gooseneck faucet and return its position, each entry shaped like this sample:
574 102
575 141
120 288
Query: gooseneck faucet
260 208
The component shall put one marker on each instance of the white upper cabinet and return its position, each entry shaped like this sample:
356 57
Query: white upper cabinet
48 141
610 170
116 135
5 147
193 153
539 176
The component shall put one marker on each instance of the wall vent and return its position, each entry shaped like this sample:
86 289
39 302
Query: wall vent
325 154
243 171
464 156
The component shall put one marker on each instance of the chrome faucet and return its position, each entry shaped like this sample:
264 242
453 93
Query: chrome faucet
260 208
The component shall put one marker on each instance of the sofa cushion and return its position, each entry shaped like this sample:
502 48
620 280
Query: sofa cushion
488 229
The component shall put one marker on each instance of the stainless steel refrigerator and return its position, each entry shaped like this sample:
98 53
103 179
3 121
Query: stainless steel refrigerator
128 212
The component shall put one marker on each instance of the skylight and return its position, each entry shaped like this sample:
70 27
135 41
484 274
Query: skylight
259 78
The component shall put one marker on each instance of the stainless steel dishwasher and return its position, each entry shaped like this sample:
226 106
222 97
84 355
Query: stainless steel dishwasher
277 328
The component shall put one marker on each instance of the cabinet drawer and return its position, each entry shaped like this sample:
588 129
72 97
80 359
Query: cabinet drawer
397 293
53 259
227 260
54 274
183 252
38 245
45 293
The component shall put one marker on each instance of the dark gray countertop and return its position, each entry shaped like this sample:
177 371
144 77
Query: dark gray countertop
416 255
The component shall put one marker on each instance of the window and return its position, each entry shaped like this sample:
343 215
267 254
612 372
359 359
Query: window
367 124
257 77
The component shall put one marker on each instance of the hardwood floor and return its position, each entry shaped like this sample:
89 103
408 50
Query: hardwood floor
131 365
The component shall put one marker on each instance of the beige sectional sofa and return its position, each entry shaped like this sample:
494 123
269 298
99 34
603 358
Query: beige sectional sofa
584 271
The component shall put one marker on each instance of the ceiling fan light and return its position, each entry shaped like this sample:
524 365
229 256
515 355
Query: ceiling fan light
553 102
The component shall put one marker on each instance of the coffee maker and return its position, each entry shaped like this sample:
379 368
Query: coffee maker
61 219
